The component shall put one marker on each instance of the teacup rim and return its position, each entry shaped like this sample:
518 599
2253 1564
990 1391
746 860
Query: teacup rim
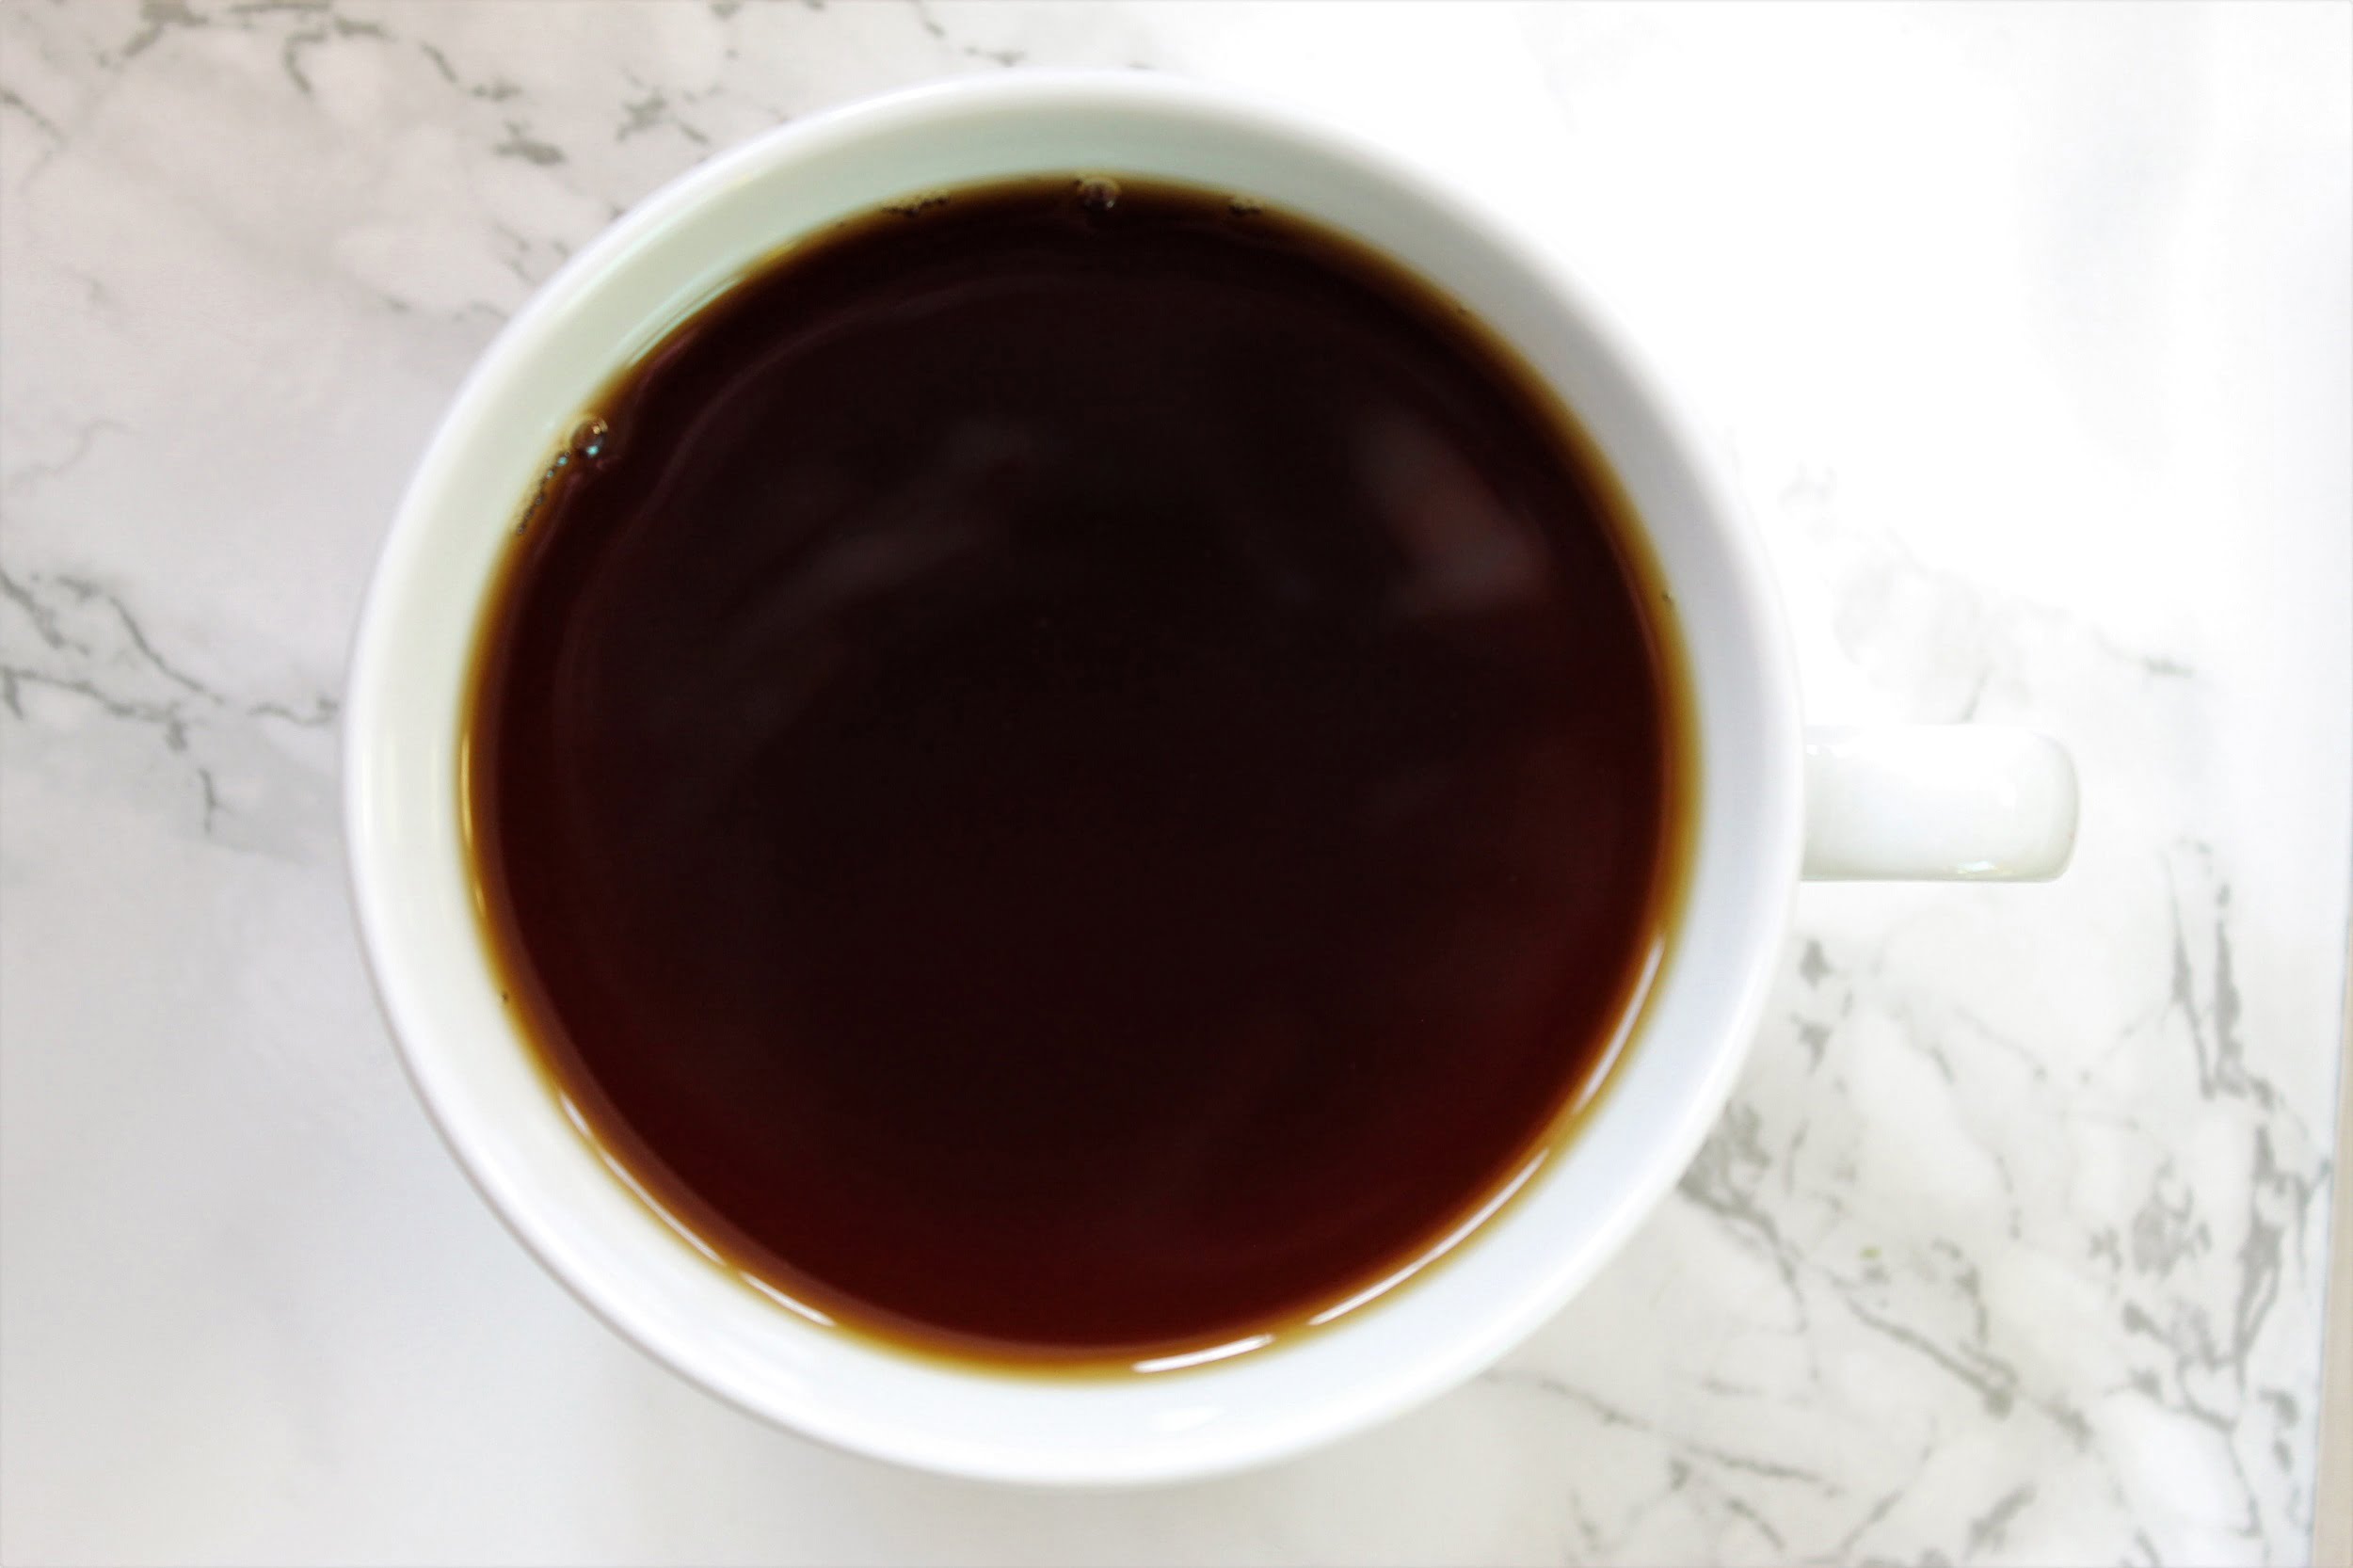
1773 859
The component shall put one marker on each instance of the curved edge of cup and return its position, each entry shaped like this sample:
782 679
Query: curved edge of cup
1772 881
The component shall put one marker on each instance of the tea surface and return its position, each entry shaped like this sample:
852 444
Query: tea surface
1081 772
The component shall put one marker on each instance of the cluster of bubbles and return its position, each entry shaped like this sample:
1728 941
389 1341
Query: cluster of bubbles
586 444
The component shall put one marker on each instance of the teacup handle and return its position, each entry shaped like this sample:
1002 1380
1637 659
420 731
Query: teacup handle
1938 803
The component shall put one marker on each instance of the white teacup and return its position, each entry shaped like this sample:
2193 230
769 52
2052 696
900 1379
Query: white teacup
1771 799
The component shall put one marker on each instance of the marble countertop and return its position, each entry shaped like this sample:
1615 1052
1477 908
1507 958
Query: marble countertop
2029 330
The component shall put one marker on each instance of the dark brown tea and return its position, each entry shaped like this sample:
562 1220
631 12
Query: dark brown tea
1076 772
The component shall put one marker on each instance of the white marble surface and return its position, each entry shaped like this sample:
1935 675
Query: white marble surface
2028 331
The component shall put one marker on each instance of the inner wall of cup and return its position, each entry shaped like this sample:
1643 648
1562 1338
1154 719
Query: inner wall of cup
621 296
